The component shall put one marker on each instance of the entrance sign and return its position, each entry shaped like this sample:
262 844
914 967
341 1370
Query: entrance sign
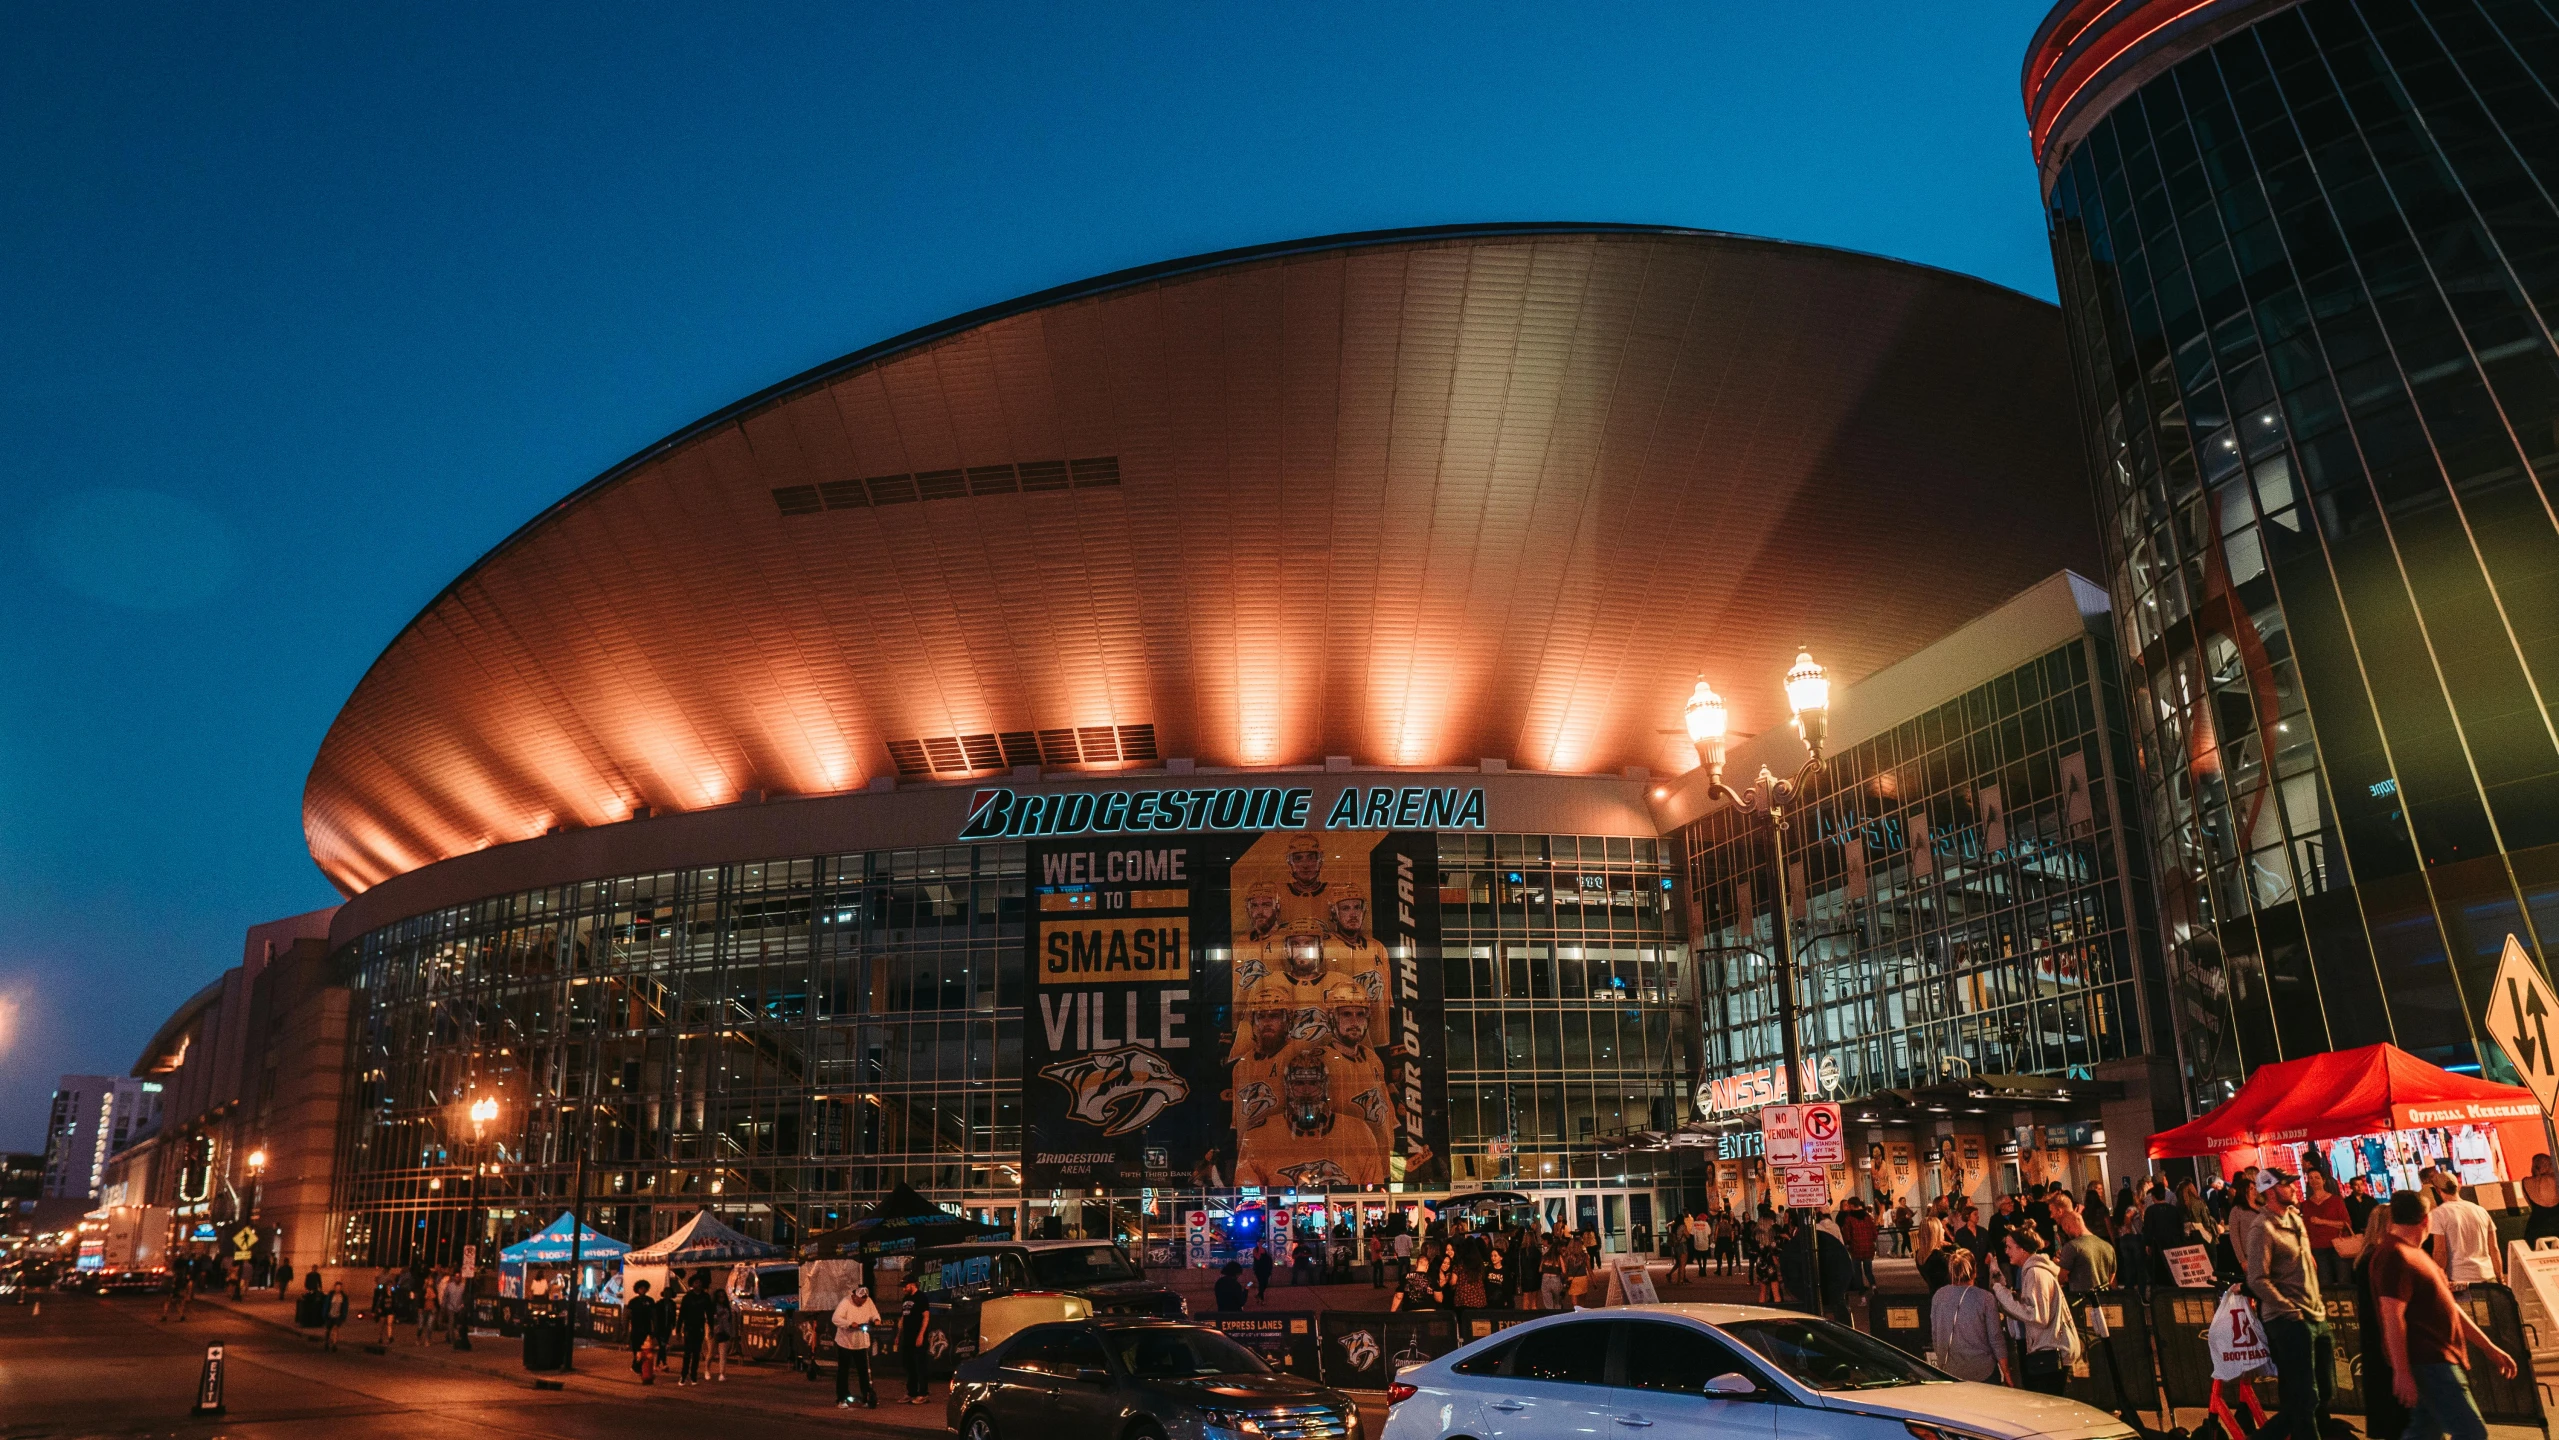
2523 1015
1821 1139
1781 1131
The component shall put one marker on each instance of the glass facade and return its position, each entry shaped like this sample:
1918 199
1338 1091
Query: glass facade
2309 274
1570 1023
1970 896
782 1042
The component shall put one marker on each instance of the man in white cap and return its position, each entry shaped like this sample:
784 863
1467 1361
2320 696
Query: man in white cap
2283 1272
854 1316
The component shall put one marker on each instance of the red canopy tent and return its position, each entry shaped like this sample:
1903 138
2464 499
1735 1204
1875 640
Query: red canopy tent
2345 1093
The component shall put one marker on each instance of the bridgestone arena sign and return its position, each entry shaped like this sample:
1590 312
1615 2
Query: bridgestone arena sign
1002 814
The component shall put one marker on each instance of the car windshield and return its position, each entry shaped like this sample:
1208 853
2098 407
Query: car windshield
1826 1356
1082 1265
1178 1354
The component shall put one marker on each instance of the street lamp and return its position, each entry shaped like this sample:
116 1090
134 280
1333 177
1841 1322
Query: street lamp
483 1110
1770 798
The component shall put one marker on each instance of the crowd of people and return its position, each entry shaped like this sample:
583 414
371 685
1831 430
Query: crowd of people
696 1323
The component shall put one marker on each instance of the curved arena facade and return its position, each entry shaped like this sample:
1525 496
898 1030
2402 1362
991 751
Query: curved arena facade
1214 726
2305 256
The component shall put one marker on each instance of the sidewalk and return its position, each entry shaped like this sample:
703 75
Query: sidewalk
605 1370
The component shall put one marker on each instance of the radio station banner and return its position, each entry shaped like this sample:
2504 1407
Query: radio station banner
1235 1009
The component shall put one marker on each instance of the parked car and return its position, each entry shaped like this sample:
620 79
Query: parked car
128 1282
1728 1370
958 1280
1138 1379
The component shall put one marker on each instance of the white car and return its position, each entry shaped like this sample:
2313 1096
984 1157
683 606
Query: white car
1739 1370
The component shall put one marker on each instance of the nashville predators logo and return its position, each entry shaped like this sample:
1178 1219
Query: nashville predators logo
1119 1090
1361 1349
1371 1103
1318 1175
1255 1103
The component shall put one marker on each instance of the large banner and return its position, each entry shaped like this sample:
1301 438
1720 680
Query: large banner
1224 1010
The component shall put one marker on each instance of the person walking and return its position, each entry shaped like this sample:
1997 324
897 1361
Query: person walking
1678 1252
1858 1229
914 1343
1232 1297
2087 1261
333 1315
2464 1235
283 1281
2426 1333
2283 1273
2049 1338
1965 1336
723 1333
693 1328
1576 1264
2324 1211
640 1326
2384 1416
854 1318
418 1296
1262 1266
453 1305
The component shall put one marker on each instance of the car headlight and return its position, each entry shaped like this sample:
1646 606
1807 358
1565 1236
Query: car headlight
1922 1430
1233 1422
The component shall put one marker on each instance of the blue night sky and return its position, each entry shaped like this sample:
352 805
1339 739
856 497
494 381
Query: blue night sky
304 311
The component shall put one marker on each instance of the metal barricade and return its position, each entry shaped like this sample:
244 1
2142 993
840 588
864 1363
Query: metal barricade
1285 1339
1363 1349
763 1336
1900 1317
2179 1320
2502 1402
2115 1372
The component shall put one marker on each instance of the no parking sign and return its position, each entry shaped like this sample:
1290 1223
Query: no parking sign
1821 1139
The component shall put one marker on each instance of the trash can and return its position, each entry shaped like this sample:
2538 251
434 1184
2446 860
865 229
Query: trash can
546 1343
310 1310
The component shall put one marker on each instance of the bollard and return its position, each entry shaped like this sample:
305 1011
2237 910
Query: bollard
208 1391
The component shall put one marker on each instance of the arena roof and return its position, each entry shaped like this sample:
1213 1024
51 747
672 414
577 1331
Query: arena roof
1414 498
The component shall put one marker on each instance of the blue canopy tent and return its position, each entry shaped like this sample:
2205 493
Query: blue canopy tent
550 1246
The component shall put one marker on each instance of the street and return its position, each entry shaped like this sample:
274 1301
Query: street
109 1366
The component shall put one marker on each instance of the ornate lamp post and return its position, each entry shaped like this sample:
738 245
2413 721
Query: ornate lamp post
1770 799
483 1110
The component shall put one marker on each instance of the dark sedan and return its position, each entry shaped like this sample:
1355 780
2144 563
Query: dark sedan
1138 1379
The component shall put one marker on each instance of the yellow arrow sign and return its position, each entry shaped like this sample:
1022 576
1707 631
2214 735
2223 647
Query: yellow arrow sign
2523 1018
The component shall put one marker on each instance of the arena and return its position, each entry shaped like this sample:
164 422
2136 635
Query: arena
1211 729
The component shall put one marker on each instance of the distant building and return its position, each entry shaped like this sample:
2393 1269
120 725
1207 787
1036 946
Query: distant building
93 1117
254 1065
21 1174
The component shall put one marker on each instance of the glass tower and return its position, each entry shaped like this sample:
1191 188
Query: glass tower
2308 255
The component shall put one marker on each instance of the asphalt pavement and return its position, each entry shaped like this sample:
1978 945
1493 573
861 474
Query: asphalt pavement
109 1366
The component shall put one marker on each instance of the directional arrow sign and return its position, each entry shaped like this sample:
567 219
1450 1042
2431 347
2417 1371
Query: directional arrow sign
2523 1018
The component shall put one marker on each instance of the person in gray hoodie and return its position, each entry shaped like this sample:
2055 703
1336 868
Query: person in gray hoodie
2041 1311
2283 1273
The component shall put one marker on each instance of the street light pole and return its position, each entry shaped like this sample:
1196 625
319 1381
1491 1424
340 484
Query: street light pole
1770 799
483 1110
